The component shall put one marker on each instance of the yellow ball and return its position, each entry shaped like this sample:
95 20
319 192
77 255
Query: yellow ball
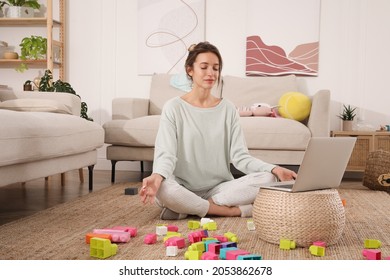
295 106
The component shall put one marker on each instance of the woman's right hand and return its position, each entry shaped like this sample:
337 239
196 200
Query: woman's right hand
150 186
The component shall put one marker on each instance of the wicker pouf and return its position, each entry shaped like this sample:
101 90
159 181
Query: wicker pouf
377 172
302 217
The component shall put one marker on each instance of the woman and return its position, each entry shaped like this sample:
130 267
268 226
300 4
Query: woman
198 138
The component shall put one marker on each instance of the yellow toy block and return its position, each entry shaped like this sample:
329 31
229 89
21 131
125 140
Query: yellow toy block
287 244
372 244
192 255
231 236
102 248
210 226
317 250
193 224
198 246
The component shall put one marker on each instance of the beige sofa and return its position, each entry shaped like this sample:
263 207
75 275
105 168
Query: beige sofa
132 131
42 134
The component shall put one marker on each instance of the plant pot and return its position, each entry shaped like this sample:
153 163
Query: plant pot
20 12
347 125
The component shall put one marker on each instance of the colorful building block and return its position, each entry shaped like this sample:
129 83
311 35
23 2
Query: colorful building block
102 248
233 254
198 246
250 224
209 256
221 238
249 257
117 236
208 242
287 244
192 255
193 224
90 235
131 230
372 254
223 251
205 221
317 250
372 244
319 243
172 228
231 236
197 236
175 241
161 230
214 248
150 238
171 234
210 226
171 251
228 244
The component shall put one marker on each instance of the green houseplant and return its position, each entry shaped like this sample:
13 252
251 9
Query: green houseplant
33 47
348 115
46 84
20 3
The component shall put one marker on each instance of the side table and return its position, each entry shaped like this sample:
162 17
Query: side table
366 142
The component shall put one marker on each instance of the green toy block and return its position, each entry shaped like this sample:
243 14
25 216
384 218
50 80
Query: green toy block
192 255
287 244
193 224
198 246
372 244
102 248
317 250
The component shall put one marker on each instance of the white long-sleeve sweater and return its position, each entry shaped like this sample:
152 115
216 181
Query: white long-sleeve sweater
197 145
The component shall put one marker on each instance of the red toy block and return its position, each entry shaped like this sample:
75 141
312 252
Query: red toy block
90 235
150 238
173 228
131 230
372 254
319 243
209 256
175 241
221 238
197 236
214 248
232 255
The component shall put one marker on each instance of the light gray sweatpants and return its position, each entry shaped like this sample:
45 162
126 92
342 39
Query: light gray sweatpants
237 192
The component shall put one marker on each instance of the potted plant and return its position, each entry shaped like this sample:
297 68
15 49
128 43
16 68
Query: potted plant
46 84
20 8
33 47
347 116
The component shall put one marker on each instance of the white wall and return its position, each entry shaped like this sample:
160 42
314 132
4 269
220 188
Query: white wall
102 55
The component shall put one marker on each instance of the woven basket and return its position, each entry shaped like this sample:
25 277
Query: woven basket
377 172
302 217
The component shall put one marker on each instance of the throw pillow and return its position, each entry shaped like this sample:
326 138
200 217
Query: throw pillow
294 105
35 105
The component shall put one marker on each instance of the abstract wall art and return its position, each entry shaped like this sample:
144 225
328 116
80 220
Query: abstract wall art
166 28
282 37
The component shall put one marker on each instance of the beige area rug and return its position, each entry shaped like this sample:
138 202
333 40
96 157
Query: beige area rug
59 232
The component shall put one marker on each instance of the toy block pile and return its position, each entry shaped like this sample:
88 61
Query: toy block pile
199 243
101 240
371 250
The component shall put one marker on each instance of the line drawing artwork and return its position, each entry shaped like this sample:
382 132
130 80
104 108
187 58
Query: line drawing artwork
282 41
166 29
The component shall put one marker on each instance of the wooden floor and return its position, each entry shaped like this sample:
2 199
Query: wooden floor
21 200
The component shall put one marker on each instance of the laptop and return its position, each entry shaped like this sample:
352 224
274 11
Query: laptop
322 167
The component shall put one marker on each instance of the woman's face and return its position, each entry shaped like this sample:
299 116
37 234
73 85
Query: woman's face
205 70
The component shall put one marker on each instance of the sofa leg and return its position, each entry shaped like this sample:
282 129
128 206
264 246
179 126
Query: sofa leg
142 166
113 163
90 175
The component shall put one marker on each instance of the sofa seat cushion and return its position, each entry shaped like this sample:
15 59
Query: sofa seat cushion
266 133
33 136
139 132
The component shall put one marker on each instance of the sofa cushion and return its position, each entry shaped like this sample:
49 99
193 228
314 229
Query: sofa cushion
36 105
33 136
275 133
139 132
247 91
